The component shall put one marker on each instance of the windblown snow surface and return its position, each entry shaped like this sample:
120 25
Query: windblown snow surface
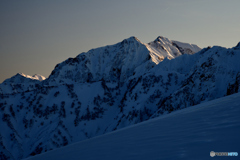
188 134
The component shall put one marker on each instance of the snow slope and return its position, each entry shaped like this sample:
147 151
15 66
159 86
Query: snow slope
186 134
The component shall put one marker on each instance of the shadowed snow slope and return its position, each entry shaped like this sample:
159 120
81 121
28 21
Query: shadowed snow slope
190 133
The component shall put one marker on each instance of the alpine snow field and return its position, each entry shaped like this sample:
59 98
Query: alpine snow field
188 134
112 87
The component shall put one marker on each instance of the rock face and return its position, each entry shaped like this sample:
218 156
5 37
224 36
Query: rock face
109 88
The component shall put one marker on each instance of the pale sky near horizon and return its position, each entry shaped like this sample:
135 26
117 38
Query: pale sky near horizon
36 35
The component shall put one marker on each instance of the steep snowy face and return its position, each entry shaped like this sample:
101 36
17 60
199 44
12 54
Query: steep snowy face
162 48
111 63
117 62
186 48
214 73
19 83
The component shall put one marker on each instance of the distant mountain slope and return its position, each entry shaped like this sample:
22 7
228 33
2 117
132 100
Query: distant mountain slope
110 88
188 134
23 78
20 83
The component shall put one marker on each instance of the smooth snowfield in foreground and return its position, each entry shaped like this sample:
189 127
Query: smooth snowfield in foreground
190 133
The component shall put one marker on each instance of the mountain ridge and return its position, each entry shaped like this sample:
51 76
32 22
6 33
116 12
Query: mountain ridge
20 83
127 58
66 110
19 78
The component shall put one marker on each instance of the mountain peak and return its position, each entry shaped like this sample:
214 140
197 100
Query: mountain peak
34 77
115 62
22 75
24 78
131 39
38 77
161 38
162 48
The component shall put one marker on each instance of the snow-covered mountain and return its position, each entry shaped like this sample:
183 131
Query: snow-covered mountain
23 78
162 48
116 63
112 87
186 134
20 83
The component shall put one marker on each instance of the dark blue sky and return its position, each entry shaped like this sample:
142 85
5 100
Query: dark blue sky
36 35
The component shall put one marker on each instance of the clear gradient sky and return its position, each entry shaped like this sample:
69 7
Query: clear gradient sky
35 35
